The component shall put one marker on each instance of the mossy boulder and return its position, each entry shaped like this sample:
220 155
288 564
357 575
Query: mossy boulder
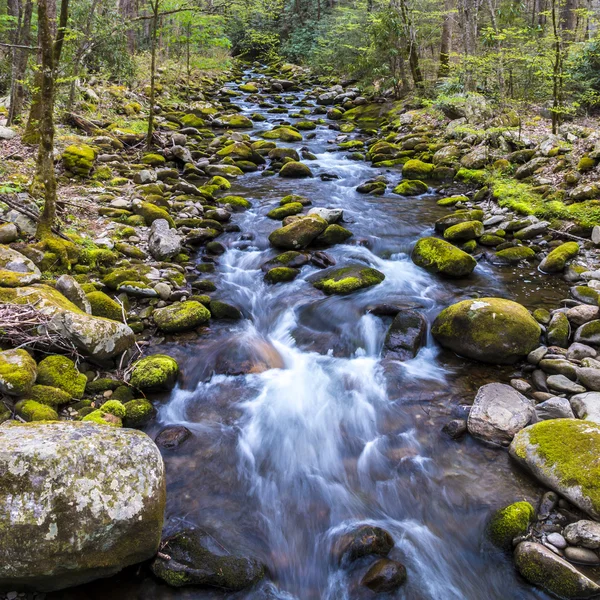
48 395
411 187
417 169
104 306
153 160
510 522
557 259
18 372
235 203
121 274
281 212
182 316
281 274
515 254
112 481
298 234
155 372
30 411
295 169
233 122
60 372
334 234
79 159
459 216
439 256
563 455
138 412
491 330
151 212
16 269
222 310
346 280
102 417
463 232
285 134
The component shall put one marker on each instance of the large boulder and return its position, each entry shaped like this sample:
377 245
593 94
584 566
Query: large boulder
181 316
439 256
163 242
563 455
491 330
78 501
95 337
541 567
298 234
498 413
16 269
154 372
346 280
197 558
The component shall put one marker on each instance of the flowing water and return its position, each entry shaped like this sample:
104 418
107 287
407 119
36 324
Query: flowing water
285 459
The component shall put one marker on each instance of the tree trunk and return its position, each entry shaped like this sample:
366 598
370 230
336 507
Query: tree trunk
446 44
20 55
557 71
155 5
128 11
568 19
413 56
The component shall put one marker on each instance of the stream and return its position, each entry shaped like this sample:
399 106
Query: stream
323 434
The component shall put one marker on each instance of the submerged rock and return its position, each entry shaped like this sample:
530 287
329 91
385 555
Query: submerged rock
563 455
78 501
541 567
491 330
405 336
196 558
366 540
384 576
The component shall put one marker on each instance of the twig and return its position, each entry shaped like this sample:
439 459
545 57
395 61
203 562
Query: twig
569 236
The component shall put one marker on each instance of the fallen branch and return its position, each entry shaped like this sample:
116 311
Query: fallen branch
569 236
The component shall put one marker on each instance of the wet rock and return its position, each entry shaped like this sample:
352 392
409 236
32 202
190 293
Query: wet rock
366 540
405 336
455 428
553 408
490 330
588 333
557 540
197 558
442 257
298 234
547 505
322 260
498 413
582 556
172 436
384 576
346 280
510 522
556 260
181 316
586 406
559 330
541 567
562 454
583 533
331 215
16 269
590 378
295 169
112 481
560 383
155 372
163 242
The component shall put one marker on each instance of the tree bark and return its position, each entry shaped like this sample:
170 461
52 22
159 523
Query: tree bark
155 6
446 43
20 55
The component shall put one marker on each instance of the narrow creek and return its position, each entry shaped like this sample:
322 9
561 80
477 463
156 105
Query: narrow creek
323 434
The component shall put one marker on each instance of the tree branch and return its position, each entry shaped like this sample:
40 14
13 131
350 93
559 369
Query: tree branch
19 46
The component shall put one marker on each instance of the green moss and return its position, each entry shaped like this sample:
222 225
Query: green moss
102 384
220 182
191 120
510 522
472 176
440 256
295 169
281 274
121 274
557 259
541 315
235 202
61 372
452 200
50 396
285 134
123 393
222 310
294 199
30 410
461 232
101 417
155 372
516 254
417 169
138 412
409 187
291 208
104 306
585 164
151 213
181 316
97 257
348 279
334 234
154 160
79 159
17 372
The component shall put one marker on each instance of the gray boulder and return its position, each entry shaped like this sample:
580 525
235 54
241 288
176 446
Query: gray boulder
583 533
164 243
8 233
553 408
16 269
71 290
498 413
405 336
587 406
78 501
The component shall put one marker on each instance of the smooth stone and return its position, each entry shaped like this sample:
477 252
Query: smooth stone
384 576
557 540
560 383
558 366
554 408
405 336
590 378
331 215
583 533
579 351
455 428
587 406
582 556
584 313
535 356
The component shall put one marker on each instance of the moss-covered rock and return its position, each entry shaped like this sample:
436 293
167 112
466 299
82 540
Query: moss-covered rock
48 395
285 134
235 203
60 372
281 274
348 279
114 407
298 234
459 216
510 522
102 384
234 122
155 372
30 411
281 212
439 256
104 306
153 160
334 234
491 330
151 212
182 316
79 159
295 169
138 413
462 232
557 259
411 187
563 455
515 254
18 372
101 417
222 310
417 169
121 274
16 269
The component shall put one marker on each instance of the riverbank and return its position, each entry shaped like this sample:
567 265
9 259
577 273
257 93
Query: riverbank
212 250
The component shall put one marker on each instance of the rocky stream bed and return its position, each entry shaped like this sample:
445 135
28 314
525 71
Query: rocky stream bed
359 335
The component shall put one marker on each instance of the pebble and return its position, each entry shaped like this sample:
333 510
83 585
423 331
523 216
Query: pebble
557 540
535 356
581 555
521 385
561 384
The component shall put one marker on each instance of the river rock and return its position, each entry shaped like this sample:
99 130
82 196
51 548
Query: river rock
559 330
298 234
163 242
557 540
583 313
579 351
71 290
541 567
560 383
553 408
589 333
384 576
172 436
405 336
197 558
586 406
557 259
154 372
346 280
563 455
442 257
78 501
18 372
581 555
8 233
181 316
365 540
510 522
491 330
498 413
331 215
583 533
96 337
590 378
16 269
